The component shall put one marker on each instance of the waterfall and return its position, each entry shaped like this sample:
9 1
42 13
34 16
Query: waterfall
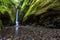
16 0
17 23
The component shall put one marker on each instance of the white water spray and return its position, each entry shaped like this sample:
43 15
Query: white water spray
16 0
17 24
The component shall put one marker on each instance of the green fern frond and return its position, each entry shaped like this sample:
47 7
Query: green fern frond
40 6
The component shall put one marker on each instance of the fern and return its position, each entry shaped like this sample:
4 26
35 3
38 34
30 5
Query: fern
37 7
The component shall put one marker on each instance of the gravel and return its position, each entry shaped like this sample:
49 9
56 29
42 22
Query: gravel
30 33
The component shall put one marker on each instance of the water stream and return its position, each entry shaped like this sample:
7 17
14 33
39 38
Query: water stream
17 23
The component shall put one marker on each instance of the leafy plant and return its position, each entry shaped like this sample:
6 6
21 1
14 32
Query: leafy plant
7 6
37 7
28 8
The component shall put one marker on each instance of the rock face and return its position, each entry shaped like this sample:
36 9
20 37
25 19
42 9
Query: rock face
30 33
48 19
51 20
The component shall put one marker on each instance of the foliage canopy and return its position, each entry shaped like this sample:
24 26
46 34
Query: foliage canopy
27 8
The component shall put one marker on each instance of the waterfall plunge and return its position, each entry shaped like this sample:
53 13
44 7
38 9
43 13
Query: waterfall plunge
17 23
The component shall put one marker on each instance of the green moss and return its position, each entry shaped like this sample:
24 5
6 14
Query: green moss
1 24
